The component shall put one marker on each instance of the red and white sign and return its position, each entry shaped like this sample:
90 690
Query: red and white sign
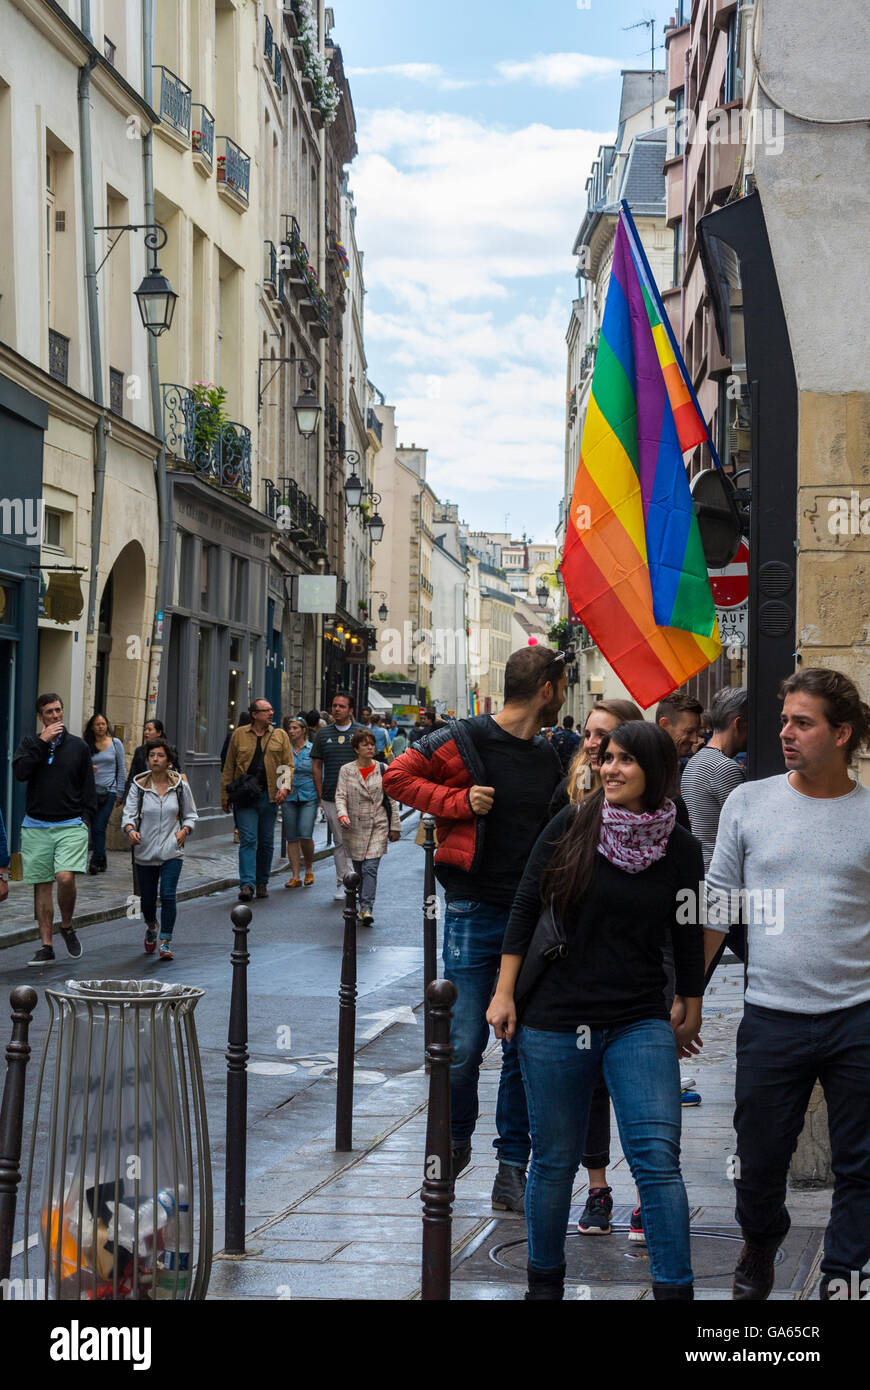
730 588
731 585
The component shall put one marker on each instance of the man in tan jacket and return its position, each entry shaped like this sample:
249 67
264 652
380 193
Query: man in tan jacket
263 754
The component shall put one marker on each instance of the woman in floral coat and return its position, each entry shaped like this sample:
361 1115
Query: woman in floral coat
369 818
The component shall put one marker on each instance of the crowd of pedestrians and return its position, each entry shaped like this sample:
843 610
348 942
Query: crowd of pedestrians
588 900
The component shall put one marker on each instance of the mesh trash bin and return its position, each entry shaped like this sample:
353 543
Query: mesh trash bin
125 1204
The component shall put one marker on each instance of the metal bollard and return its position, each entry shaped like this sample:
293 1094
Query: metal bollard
430 924
437 1193
23 1001
237 1087
346 1021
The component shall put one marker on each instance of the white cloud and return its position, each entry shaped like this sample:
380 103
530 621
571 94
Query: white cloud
467 230
431 73
559 69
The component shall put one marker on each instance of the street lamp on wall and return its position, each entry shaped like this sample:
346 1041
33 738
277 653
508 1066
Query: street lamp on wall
543 593
383 611
307 408
155 296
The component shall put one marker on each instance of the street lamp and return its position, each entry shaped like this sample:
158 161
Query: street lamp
307 408
155 296
543 593
353 491
376 521
383 612
156 299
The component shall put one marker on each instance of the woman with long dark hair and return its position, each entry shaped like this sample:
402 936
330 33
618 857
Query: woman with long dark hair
614 870
107 756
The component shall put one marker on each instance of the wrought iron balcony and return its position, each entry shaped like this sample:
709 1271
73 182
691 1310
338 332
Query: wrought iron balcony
270 269
278 69
302 278
219 451
374 425
58 356
202 135
269 45
174 105
234 167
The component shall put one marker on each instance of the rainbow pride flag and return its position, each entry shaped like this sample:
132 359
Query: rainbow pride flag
633 565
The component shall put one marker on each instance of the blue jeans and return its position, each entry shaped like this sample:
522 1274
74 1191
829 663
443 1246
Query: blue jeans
298 817
98 829
256 840
640 1067
473 934
779 1057
165 876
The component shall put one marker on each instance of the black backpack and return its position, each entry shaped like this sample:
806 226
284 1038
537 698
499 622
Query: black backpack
178 792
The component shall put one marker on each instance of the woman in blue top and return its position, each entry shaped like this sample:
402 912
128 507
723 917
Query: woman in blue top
107 756
300 808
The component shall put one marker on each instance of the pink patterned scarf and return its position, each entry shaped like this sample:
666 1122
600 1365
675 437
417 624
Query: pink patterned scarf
633 841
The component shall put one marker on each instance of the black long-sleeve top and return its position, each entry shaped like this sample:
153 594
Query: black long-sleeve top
613 973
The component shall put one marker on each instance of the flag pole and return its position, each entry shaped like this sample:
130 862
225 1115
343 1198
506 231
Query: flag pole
651 286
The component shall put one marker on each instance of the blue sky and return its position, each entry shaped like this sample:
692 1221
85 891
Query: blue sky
478 122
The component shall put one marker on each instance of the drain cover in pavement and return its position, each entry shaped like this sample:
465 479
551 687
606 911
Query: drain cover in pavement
612 1259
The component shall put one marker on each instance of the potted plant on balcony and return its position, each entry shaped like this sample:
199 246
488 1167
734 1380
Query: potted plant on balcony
209 418
221 168
195 140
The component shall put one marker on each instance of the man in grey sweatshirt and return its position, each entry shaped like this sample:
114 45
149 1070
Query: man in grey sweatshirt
792 861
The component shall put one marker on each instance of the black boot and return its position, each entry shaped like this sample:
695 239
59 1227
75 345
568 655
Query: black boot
753 1277
509 1188
546 1285
460 1158
673 1291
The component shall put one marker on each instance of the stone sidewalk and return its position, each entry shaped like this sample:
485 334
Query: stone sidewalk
348 1226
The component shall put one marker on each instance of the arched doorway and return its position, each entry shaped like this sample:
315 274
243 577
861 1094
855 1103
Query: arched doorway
121 681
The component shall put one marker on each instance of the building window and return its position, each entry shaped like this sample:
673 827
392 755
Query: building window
238 589
51 529
183 570
678 254
208 557
116 391
733 84
680 123
203 685
236 701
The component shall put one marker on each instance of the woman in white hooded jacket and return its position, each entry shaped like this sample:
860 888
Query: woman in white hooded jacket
159 815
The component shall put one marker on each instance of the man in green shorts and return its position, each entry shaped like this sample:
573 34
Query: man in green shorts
61 803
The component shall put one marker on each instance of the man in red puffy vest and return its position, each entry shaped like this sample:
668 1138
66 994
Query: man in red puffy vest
488 783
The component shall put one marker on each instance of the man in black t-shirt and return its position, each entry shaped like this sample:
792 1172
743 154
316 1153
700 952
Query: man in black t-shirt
488 781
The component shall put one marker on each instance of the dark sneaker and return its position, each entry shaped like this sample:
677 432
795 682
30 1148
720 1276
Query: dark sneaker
71 942
246 893
366 919
44 956
509 1188
461 1157
753 1277
166 949
689 1097
635 1228
150 940
262 890
595 1220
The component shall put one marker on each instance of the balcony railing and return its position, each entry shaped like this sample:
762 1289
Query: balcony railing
234 167
302 279
296 515
174 101
218 452
374 424
269 45
270 268
202 135
58 356
278 69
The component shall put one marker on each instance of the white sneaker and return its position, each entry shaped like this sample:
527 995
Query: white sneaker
338 895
